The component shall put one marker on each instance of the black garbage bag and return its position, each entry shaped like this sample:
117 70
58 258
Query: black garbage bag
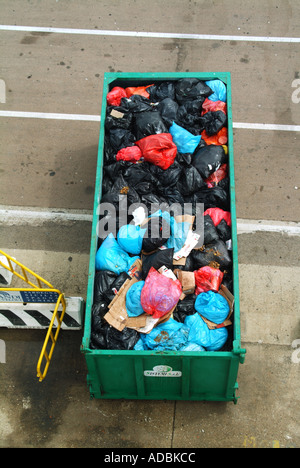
212 254
213 122
108 337
224 231
114 287
172 195
228 279
184 159
103 280
121 138
167 177
190 181
117 119
109 152
185 307
121 188
134 104
189 89
148 123
156 235
157 260
98 312
210 231
150 199
140 172
162 91
208 159
116 169
189 116
212 197
168 110
107 184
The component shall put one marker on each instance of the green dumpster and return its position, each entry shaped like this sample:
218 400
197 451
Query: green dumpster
167 375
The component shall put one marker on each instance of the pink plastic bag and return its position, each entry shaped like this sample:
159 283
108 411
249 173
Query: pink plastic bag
207 279
159 294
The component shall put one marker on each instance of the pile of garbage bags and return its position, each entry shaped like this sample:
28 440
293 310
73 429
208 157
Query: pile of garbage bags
155 287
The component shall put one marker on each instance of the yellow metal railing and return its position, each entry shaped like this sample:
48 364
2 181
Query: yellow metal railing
39 284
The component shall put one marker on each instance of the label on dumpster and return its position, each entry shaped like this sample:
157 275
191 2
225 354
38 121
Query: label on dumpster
162 371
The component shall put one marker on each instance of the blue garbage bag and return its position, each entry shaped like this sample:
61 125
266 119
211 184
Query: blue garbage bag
185 141
190 346
168 336
212 306
179 231
130 238
110 256
219 90
199 333
133 299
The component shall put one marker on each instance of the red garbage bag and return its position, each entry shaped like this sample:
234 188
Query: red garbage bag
141 90
213 106
208 279
159 294
217 214
158 149
114 96
130 153
219 138
217 176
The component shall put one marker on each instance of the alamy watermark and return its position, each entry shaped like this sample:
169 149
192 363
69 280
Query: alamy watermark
296 353
111 217
296 93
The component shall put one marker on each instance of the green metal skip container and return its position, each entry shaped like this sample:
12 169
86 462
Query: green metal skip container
167 375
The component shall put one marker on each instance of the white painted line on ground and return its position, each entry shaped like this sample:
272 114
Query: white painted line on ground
2 92
18 216
49 115
157 35
248 226
262 126
97 118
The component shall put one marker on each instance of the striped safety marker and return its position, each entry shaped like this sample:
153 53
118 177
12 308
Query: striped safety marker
39 315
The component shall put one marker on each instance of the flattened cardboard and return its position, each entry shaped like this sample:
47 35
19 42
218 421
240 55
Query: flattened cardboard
117 314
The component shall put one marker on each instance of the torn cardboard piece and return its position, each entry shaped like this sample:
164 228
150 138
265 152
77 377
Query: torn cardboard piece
187 280
117 315
230 299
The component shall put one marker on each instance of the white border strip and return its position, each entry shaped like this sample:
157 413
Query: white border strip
97 118
18 216
158 35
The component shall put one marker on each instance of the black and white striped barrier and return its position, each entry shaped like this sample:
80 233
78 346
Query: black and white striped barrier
39 315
